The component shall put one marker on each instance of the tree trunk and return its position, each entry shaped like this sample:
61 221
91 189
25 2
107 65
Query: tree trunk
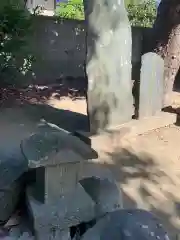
166 43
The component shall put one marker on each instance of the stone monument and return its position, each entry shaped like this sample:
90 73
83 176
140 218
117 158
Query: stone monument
108 65
151 85
57 201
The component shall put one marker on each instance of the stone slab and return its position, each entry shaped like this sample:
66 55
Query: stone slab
50 146
70 210
130 129
151 85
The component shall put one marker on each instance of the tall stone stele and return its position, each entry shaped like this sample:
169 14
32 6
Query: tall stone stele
108 64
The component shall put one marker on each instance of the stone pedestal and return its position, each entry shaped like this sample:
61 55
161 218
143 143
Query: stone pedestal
55 219
108 66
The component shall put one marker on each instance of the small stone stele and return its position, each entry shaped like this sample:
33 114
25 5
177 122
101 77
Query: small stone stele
151 85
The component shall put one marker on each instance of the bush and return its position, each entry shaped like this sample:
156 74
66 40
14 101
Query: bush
142 14
15 28
74 9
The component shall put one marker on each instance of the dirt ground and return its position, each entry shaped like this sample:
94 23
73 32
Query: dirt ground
146 167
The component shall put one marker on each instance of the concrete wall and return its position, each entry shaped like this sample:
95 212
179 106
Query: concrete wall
60 48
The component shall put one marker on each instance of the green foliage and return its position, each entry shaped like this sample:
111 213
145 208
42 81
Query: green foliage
15 28
74 9
142 14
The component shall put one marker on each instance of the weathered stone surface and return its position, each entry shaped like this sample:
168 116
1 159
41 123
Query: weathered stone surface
104 193
99 171
108 67
127 224
9 197
44 148
70 210
53 182
54 234
151 85
95 232
11 168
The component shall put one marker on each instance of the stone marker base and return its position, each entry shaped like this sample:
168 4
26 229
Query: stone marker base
130 129
52 221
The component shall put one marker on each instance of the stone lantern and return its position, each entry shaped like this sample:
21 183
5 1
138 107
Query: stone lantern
56 200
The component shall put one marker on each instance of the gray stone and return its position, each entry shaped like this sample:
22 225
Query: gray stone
56 181
108 67
11 169
70 210
9 197
54 234
95 232
104 193
40 147
151 85
127 224
99 171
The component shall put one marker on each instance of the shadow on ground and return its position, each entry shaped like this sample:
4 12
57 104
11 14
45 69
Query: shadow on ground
68 120
32 103
146 185
73 88
19 121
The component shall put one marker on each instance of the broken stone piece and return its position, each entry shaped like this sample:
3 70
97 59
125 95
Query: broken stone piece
104 193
